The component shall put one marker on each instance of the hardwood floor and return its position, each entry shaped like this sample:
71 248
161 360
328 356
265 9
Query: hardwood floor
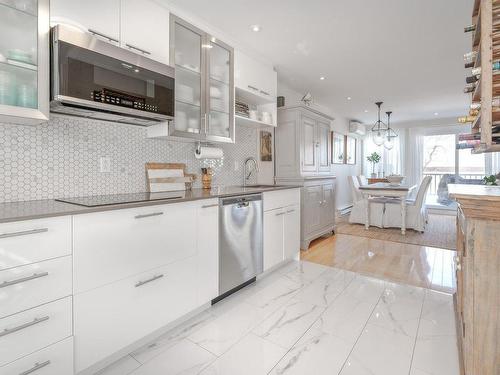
416 265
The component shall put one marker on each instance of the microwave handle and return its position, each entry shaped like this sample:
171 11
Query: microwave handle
103 36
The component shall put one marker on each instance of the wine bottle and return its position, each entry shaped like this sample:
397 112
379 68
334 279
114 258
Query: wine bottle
473 112
469 64
495 66
475 106
471 79
466 119
470 56
468 29
469 88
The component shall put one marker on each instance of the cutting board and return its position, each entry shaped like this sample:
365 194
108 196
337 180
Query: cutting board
167 177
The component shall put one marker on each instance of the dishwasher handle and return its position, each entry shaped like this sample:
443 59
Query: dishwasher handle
241 201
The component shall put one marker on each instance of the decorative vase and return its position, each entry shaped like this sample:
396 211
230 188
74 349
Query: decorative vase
374 175
206 178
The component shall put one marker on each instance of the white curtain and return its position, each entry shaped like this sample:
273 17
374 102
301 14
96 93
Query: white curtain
391 161
415 153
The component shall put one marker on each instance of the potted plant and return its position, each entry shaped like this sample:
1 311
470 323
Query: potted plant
490 180
374 158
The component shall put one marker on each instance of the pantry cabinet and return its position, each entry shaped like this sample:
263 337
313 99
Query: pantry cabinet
24 62
204 84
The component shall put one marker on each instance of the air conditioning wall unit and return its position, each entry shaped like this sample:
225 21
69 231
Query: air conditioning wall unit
357 128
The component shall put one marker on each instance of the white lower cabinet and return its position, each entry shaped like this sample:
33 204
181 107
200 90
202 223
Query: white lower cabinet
208 251
56 359
281 226
31 330
34 284
109 318
112 245
30 241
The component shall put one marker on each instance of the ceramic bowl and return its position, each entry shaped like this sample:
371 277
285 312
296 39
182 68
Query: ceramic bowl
395 179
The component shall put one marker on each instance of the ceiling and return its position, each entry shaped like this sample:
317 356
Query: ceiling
406 53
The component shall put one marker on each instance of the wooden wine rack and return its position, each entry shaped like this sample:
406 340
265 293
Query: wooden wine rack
486 41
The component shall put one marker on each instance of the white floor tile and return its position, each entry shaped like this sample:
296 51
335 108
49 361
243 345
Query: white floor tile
380 351
436 355
399 309
287 324
323 290
123 366
223 332
183 358
172 337
317 352
251 356
272 296
302 272
438 315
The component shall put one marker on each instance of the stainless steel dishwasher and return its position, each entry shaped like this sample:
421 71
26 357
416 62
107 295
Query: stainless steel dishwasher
240 242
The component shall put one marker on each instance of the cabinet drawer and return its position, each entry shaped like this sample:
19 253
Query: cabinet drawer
56 359
25 242
281 198
112 317
31 330
24 287
113 245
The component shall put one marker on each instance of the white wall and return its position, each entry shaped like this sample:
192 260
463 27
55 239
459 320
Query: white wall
339 125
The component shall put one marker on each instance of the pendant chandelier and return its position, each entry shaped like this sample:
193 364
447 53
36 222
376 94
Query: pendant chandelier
390 134
379 129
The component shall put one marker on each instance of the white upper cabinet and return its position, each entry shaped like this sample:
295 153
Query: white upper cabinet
255 77
144 29
102 18
141 26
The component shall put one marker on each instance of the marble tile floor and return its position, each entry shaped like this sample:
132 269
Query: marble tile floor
306 318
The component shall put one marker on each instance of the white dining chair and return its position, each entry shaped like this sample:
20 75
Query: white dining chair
416 211
362 180
359 202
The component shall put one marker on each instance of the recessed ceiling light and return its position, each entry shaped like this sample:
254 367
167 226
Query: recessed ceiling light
256 28
366 111
349 98
436 113
322 78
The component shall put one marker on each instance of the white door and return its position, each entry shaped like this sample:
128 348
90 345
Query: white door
273 237
328 206
99 17
145 29
208 251
309 145
291 233
323 147
313 198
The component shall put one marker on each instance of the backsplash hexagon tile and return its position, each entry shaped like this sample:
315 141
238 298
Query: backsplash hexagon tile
60 158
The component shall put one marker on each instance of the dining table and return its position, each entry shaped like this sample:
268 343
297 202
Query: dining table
385 189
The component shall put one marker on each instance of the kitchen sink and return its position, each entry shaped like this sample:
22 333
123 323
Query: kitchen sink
260 186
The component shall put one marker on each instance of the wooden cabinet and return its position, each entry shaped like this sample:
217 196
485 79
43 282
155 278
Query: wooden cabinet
478 280
302 142
144 29
281 226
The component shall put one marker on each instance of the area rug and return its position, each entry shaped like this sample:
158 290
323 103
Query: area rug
441 232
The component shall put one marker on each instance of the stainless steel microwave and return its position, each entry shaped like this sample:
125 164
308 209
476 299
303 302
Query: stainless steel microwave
96 79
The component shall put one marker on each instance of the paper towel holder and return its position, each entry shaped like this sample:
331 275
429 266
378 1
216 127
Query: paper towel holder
200 145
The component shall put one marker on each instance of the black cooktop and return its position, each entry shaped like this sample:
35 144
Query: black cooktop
112 199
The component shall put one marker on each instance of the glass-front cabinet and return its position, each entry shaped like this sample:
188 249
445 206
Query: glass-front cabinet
204 85
24 61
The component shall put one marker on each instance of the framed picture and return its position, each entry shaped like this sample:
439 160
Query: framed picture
338 151
266 146
350 150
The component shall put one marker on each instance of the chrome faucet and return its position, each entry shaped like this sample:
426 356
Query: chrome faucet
247 173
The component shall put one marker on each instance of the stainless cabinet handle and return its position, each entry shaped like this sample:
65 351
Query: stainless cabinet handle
24 233
23 279
141 283
264 92
8 331
104 36
36 367
253 88
138 49
280 213
148 215
290 211
210 205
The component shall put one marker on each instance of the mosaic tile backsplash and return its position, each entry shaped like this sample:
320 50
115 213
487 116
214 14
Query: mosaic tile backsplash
60 158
